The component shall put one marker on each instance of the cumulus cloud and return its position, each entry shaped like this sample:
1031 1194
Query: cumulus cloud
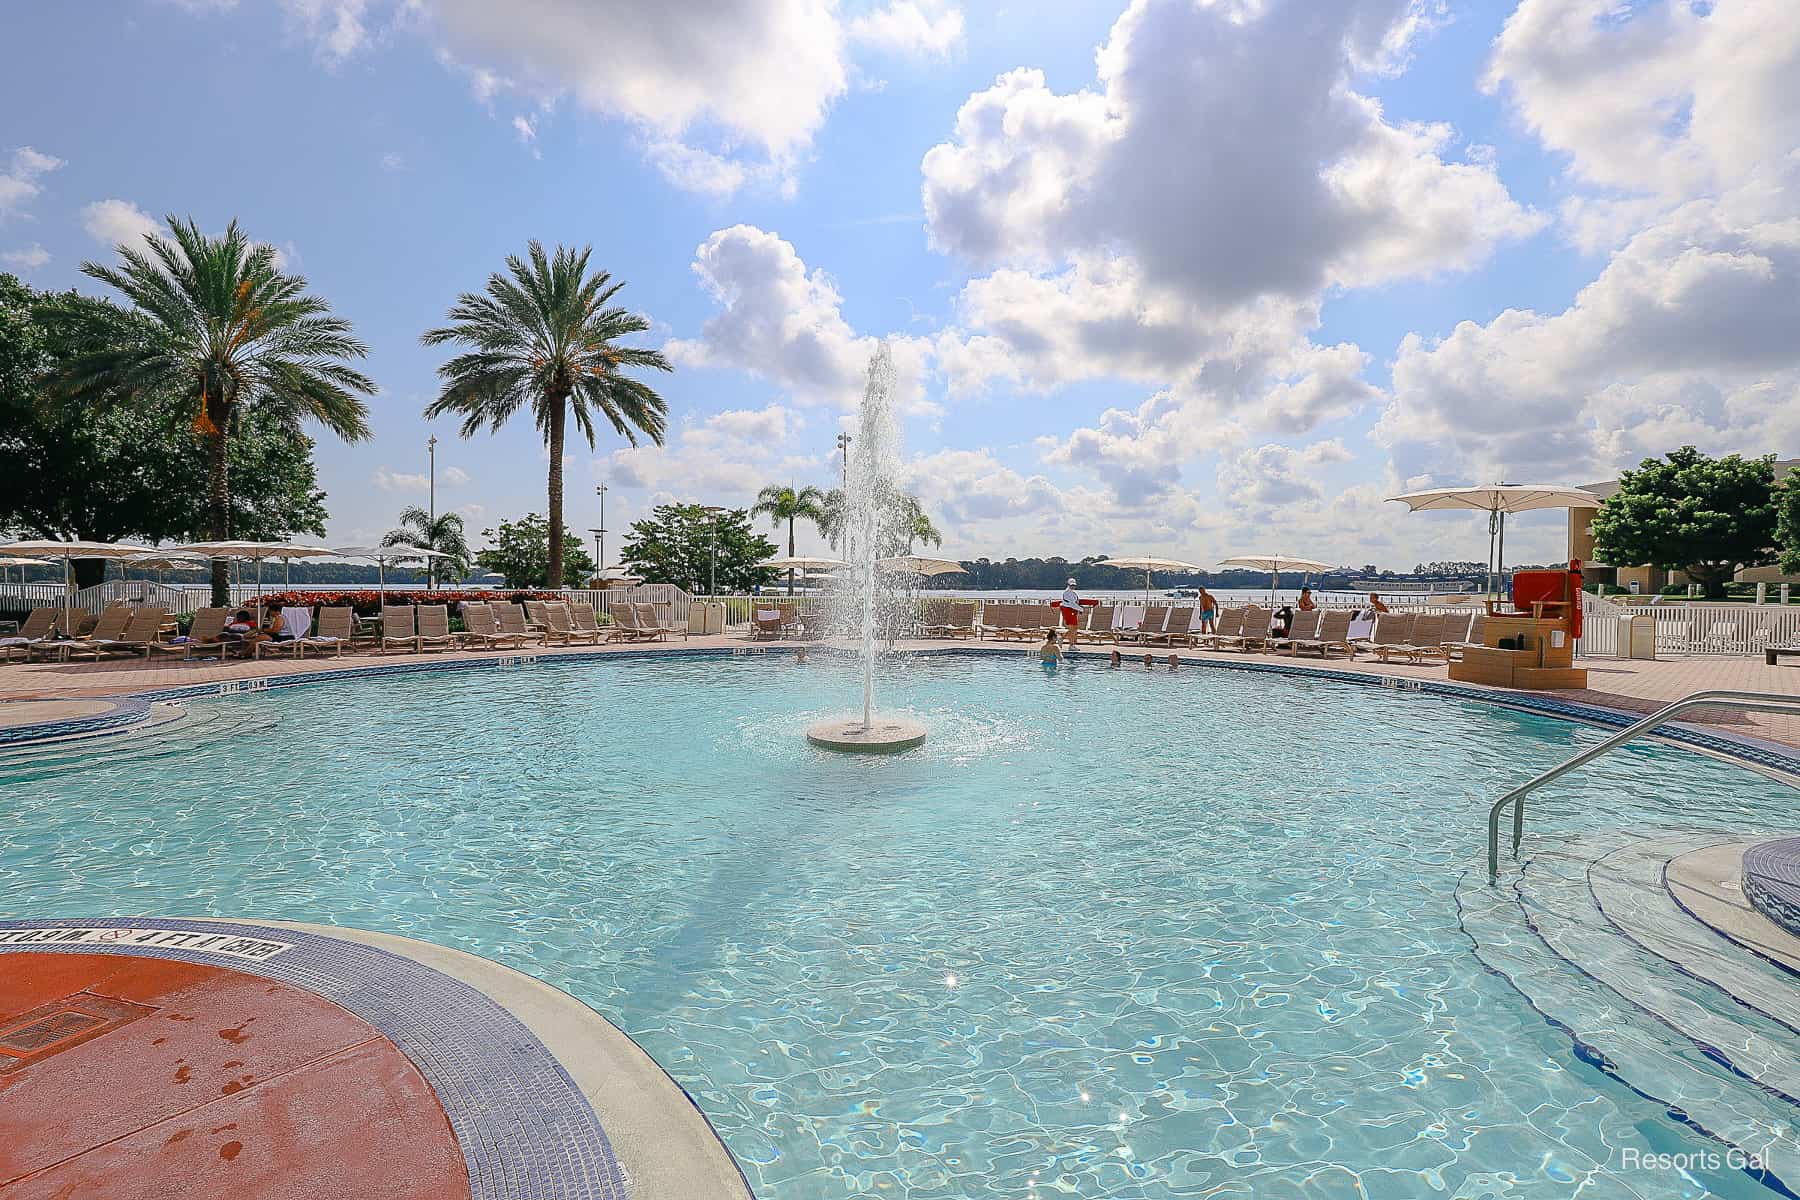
399 481
927 28
1226 151
28 258
1274 475
728 456
784 323
118 222
19 181
336 27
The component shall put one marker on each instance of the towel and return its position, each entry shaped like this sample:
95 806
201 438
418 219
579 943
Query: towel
1128 616
295 622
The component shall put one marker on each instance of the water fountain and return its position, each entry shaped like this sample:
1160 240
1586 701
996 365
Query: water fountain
866 597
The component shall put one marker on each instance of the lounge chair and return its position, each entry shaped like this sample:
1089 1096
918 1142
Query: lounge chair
949 619
482 628
649 619
625 623
995 616
588 621
1391 629
336 628
1333 633
511 620
765 623
295 621
560 626
1253 633
1304 626
399 627
143 629
433 625
1148 629
1454 646
1426 640
1097 626
114 620
40 626
1176 630
1228 626
203 635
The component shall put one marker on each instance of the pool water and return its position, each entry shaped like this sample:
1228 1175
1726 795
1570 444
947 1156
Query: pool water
1109 934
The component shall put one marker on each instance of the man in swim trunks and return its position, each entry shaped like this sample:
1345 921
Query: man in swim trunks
1209 612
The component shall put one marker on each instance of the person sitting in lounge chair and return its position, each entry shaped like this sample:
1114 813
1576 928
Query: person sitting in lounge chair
1307 603
239 629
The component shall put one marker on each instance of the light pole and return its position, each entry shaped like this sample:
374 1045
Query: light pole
843 445
431 511
715 510
600 533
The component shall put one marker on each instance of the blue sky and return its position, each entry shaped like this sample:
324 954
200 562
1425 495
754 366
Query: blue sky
1218 277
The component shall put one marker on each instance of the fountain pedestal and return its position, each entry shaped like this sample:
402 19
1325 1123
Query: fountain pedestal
883 735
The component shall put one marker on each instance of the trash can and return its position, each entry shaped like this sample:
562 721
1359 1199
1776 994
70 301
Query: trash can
706 616
1637 636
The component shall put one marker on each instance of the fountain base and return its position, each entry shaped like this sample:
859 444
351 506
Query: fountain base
886 735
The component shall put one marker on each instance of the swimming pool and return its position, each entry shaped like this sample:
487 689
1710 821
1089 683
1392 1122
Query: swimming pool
1109 934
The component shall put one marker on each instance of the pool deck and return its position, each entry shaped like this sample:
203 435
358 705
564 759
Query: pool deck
1624 685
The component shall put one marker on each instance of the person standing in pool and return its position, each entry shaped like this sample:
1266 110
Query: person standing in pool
1071 611
1050 651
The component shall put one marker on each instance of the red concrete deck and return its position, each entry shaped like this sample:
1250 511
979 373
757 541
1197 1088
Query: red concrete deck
204 1082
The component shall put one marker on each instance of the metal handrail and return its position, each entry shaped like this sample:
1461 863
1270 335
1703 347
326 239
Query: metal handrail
1748 701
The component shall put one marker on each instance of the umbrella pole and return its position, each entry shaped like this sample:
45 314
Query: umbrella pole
68 598
1500 561
381 579
1493 525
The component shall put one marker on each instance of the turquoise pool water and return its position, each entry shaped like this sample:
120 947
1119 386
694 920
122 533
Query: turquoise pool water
1110 934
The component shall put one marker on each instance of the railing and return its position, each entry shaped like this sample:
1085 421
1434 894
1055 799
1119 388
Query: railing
1745 701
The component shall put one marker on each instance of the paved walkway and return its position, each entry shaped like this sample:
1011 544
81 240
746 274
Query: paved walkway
1629 685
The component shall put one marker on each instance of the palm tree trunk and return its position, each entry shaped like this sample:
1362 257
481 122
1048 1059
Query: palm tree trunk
790 555
218 505
558 413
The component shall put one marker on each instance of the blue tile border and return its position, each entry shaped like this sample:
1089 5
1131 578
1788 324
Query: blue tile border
1772 881
525 1129
125 710
1755 751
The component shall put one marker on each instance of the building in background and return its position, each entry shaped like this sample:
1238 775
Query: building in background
1650 580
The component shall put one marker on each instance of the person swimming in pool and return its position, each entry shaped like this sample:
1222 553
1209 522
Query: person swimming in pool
1051 650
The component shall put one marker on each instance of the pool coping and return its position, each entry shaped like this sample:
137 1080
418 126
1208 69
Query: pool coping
134 707
546 1097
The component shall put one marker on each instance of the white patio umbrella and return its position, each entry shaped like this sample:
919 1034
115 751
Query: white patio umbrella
618 577
1126 562
49 548
256 552
381 556
159 562
1275 564
801 563
1497 500
915 564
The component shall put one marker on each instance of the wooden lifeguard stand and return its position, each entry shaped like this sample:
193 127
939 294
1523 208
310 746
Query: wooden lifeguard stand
1529 642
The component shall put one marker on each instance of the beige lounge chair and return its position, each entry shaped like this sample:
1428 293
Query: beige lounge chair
399 627
1097 626
766 624
109 628
950 619
560 626
1176 631
588 621
1333 634
1148 629
1228 625
333 632
203 635
1425 640
511 619
433 624
650 619
1391 629
1454 645
1253 634
1304 626
295 646
143 628
625 623
482 628
40 626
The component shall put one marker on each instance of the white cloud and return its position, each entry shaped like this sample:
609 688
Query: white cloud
526 128
1668 98
19 182
785 324
393 160
1274 475
1226 152
336 27
455 477
399 481
726 458
29 258
118 222
926 28
696 170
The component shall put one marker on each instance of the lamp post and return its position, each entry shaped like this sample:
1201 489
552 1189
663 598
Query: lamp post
843 445
431 511
715 510
600 533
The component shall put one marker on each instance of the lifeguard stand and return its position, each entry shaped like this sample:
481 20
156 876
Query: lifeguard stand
1529 642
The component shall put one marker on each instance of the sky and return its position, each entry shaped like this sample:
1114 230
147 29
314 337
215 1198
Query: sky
1178 277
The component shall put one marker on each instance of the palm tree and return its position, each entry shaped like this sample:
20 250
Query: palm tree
445 534
229 332
544 334
911 520
781 502
902 527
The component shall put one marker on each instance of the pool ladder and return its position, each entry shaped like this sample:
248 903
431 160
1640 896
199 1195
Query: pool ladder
1746 701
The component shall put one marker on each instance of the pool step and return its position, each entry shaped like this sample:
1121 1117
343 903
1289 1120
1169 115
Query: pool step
1630 977
170 729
